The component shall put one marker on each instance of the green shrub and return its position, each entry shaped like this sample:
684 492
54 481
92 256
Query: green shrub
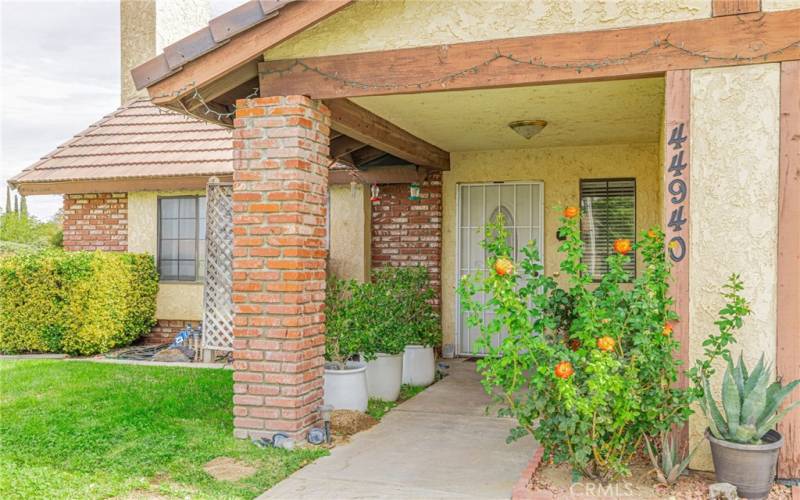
381 316
75 302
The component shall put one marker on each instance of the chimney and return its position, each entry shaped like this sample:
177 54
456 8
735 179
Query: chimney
147 26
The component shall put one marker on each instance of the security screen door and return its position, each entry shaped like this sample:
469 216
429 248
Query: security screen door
520 203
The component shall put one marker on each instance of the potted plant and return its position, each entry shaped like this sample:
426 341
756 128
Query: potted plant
744 443
345 380
383 324
419 323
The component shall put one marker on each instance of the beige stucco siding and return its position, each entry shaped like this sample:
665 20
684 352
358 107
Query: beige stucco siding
381 25
560 169
175 300
350 232
772 5
734 206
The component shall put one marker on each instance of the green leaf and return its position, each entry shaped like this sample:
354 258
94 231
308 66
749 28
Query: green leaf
731 400
755 375
775 396
773 421
755 400
716 423
740 373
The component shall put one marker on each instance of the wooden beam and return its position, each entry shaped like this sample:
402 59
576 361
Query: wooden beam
223 85
677 164
734 7
194 182
342 146
242 49
788 334
567 57
379 175
366 155
362 125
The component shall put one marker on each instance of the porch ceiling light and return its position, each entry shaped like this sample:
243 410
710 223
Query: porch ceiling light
528 128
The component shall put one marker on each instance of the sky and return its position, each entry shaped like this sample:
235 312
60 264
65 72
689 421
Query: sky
59 73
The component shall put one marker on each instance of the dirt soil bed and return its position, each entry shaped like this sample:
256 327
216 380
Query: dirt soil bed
557 480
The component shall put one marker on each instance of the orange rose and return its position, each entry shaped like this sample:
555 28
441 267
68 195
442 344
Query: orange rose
667 330
571 212
651 234
606 343
622 247
503 266
564 370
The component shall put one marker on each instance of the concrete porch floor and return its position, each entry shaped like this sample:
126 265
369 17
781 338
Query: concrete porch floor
440 444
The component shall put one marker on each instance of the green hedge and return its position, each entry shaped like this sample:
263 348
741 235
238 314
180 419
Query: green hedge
75 302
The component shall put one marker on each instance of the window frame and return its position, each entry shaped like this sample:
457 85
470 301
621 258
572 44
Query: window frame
607 180
196 279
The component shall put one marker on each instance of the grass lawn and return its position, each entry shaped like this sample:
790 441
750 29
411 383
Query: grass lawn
88 430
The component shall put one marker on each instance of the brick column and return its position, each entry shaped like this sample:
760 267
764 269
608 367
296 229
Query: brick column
280 195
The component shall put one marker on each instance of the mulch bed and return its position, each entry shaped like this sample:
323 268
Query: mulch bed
542 480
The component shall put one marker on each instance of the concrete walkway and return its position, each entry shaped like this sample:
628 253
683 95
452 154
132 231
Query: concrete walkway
440 444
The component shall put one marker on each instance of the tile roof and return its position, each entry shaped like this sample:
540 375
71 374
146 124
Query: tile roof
138 140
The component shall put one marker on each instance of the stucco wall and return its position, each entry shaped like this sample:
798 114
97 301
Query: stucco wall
734 207
350 232
561 170
182 301
401 24
147 26
770 5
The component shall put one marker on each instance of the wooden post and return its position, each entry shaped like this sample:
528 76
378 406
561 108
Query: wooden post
788 331
677 163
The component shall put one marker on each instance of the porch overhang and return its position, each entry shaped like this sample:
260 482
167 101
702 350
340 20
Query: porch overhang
635 52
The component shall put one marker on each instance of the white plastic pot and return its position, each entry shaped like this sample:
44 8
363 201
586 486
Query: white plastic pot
419 365
385 376
346 389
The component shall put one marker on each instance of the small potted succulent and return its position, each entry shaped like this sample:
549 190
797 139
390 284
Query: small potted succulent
345 381
744 443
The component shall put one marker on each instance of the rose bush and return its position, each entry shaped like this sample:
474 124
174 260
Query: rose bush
588 368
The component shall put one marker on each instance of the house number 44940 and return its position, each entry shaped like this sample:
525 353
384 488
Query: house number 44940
679 192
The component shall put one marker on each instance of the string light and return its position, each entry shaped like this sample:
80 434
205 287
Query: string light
539 63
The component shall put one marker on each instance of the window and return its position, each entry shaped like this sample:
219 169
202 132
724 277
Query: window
608 208
182 238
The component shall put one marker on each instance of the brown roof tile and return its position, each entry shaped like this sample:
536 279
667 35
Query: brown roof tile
137 140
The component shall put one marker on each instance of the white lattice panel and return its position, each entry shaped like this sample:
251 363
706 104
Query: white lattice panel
217 301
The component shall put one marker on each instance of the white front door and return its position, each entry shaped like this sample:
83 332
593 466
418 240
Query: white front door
520 203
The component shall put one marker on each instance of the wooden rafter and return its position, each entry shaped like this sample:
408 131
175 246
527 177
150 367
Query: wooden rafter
343 145
362 125
619 53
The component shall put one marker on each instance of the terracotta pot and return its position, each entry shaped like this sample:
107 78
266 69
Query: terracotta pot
749 467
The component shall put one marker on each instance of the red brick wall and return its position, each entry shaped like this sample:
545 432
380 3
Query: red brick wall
279 208
166 330
96 221
409 233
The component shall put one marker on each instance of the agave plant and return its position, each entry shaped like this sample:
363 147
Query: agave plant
668 463
750 402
